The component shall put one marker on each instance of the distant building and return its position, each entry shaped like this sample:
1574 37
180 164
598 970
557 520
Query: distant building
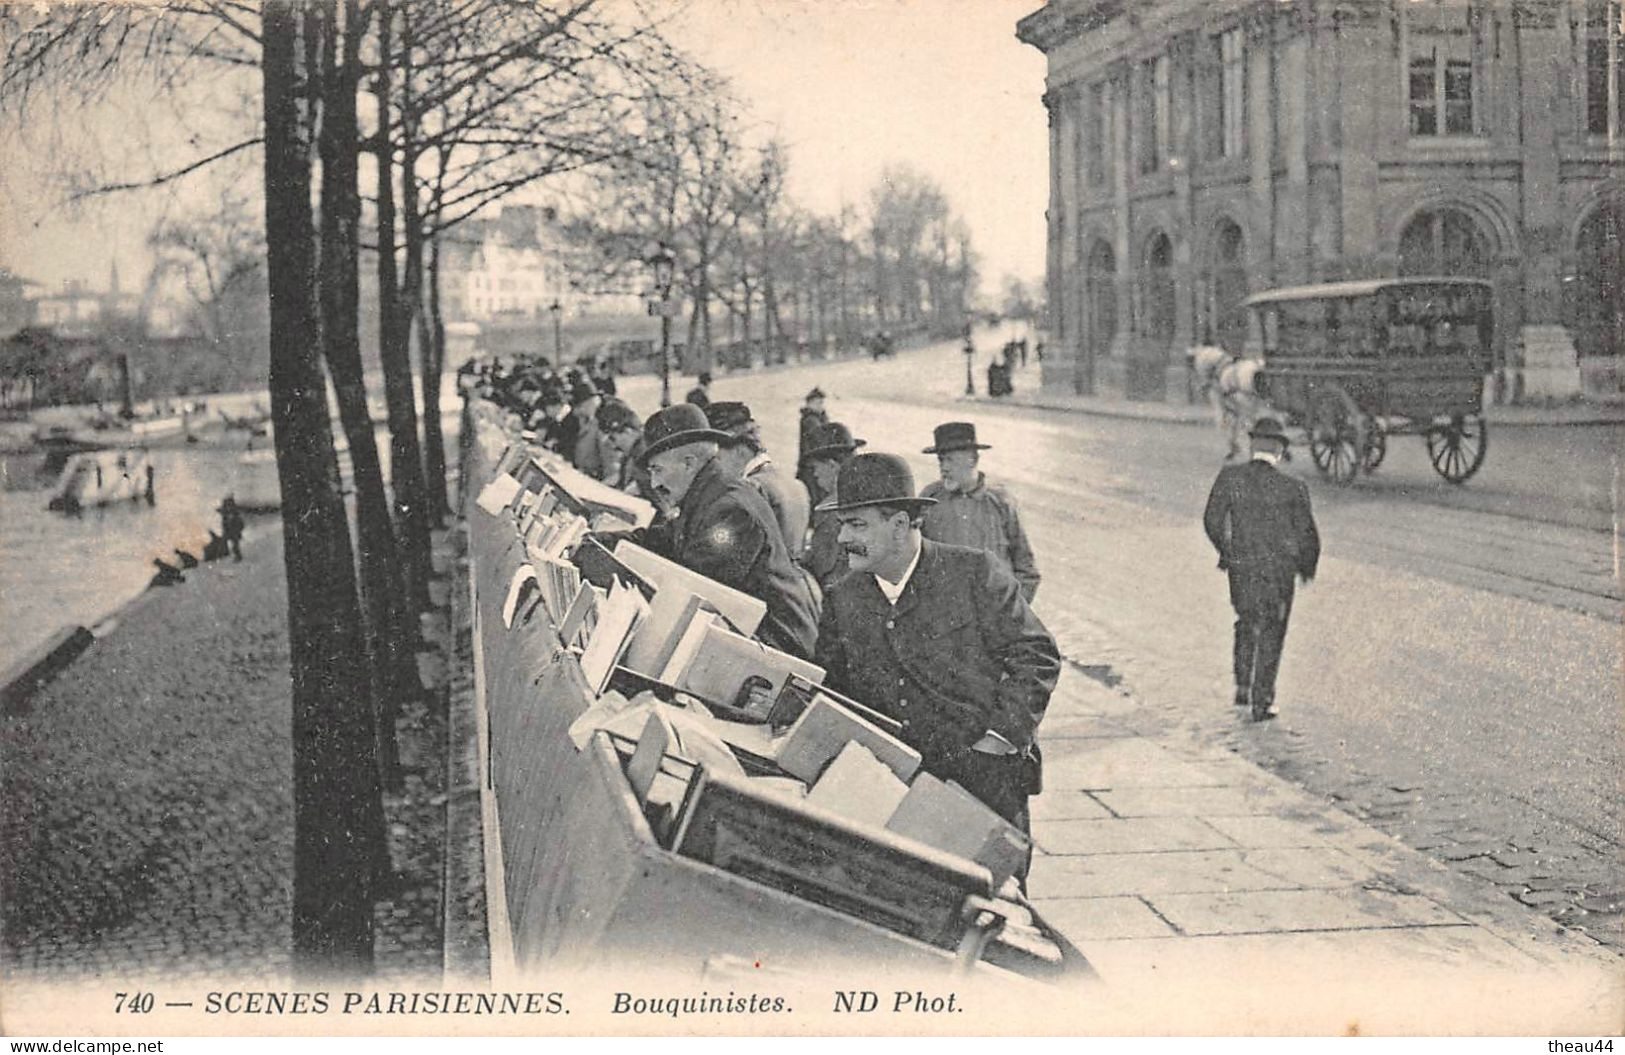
16 310
1201 150
506 268
76 310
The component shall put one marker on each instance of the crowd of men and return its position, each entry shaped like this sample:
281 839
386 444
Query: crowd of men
915 602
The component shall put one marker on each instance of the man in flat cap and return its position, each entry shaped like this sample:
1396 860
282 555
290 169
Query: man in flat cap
969 511
813 418
745 455
938 637
1259 520
724 529
824 557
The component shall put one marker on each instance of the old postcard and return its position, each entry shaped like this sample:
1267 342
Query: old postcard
1014 478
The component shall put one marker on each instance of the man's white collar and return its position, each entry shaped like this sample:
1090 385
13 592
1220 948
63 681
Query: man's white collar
894 592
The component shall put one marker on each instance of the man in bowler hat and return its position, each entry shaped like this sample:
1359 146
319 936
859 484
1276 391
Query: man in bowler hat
938 637
969 511
724 528
1259 520
824 557
745 456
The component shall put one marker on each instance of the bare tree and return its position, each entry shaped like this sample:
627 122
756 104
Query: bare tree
334 782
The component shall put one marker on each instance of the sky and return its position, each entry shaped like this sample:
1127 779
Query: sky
850 85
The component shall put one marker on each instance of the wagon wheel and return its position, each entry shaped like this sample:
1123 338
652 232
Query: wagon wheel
1337 435
1458 447
1376 447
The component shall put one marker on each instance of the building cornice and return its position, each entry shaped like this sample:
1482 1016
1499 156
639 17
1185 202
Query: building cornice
1060 21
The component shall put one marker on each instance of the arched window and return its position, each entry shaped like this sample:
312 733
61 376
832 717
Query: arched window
1595 291
1443 242
1228 318
1101 278
1159 302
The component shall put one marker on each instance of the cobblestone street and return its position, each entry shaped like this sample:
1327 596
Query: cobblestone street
146 805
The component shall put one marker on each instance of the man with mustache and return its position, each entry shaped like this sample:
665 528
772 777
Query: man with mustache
724 528
938 637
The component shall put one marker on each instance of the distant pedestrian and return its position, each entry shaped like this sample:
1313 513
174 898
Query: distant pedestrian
1259 520
813 418
700 394
970 511
231 526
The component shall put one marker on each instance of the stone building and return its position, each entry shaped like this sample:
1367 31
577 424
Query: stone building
1204 149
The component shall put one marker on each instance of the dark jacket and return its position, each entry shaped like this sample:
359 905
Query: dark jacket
786 497
811 421
960 654
1259 520
725 531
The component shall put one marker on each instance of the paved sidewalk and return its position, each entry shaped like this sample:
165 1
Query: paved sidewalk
1178 411
1180 868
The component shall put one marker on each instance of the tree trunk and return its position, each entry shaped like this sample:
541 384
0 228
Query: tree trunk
405 450
335 794
434 366
341 346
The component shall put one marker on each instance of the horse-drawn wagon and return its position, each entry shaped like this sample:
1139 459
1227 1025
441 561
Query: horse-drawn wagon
1356 362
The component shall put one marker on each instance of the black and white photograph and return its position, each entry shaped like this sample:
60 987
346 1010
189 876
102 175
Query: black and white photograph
853 518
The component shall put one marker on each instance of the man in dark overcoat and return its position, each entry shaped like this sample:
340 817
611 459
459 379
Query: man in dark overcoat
724 529
813 417
1259 520
824 557
938 637
745 456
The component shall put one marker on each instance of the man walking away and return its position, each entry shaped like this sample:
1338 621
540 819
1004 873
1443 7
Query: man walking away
969 511
1259 520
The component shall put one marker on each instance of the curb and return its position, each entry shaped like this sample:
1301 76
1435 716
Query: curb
1206 420
40 665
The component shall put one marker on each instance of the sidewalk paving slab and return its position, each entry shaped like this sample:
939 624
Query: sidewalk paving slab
1128 835
1278 911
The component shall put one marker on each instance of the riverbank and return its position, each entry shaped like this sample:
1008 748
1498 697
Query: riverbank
146 815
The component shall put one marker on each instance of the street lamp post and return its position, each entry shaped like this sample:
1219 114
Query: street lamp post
664 263
557 310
